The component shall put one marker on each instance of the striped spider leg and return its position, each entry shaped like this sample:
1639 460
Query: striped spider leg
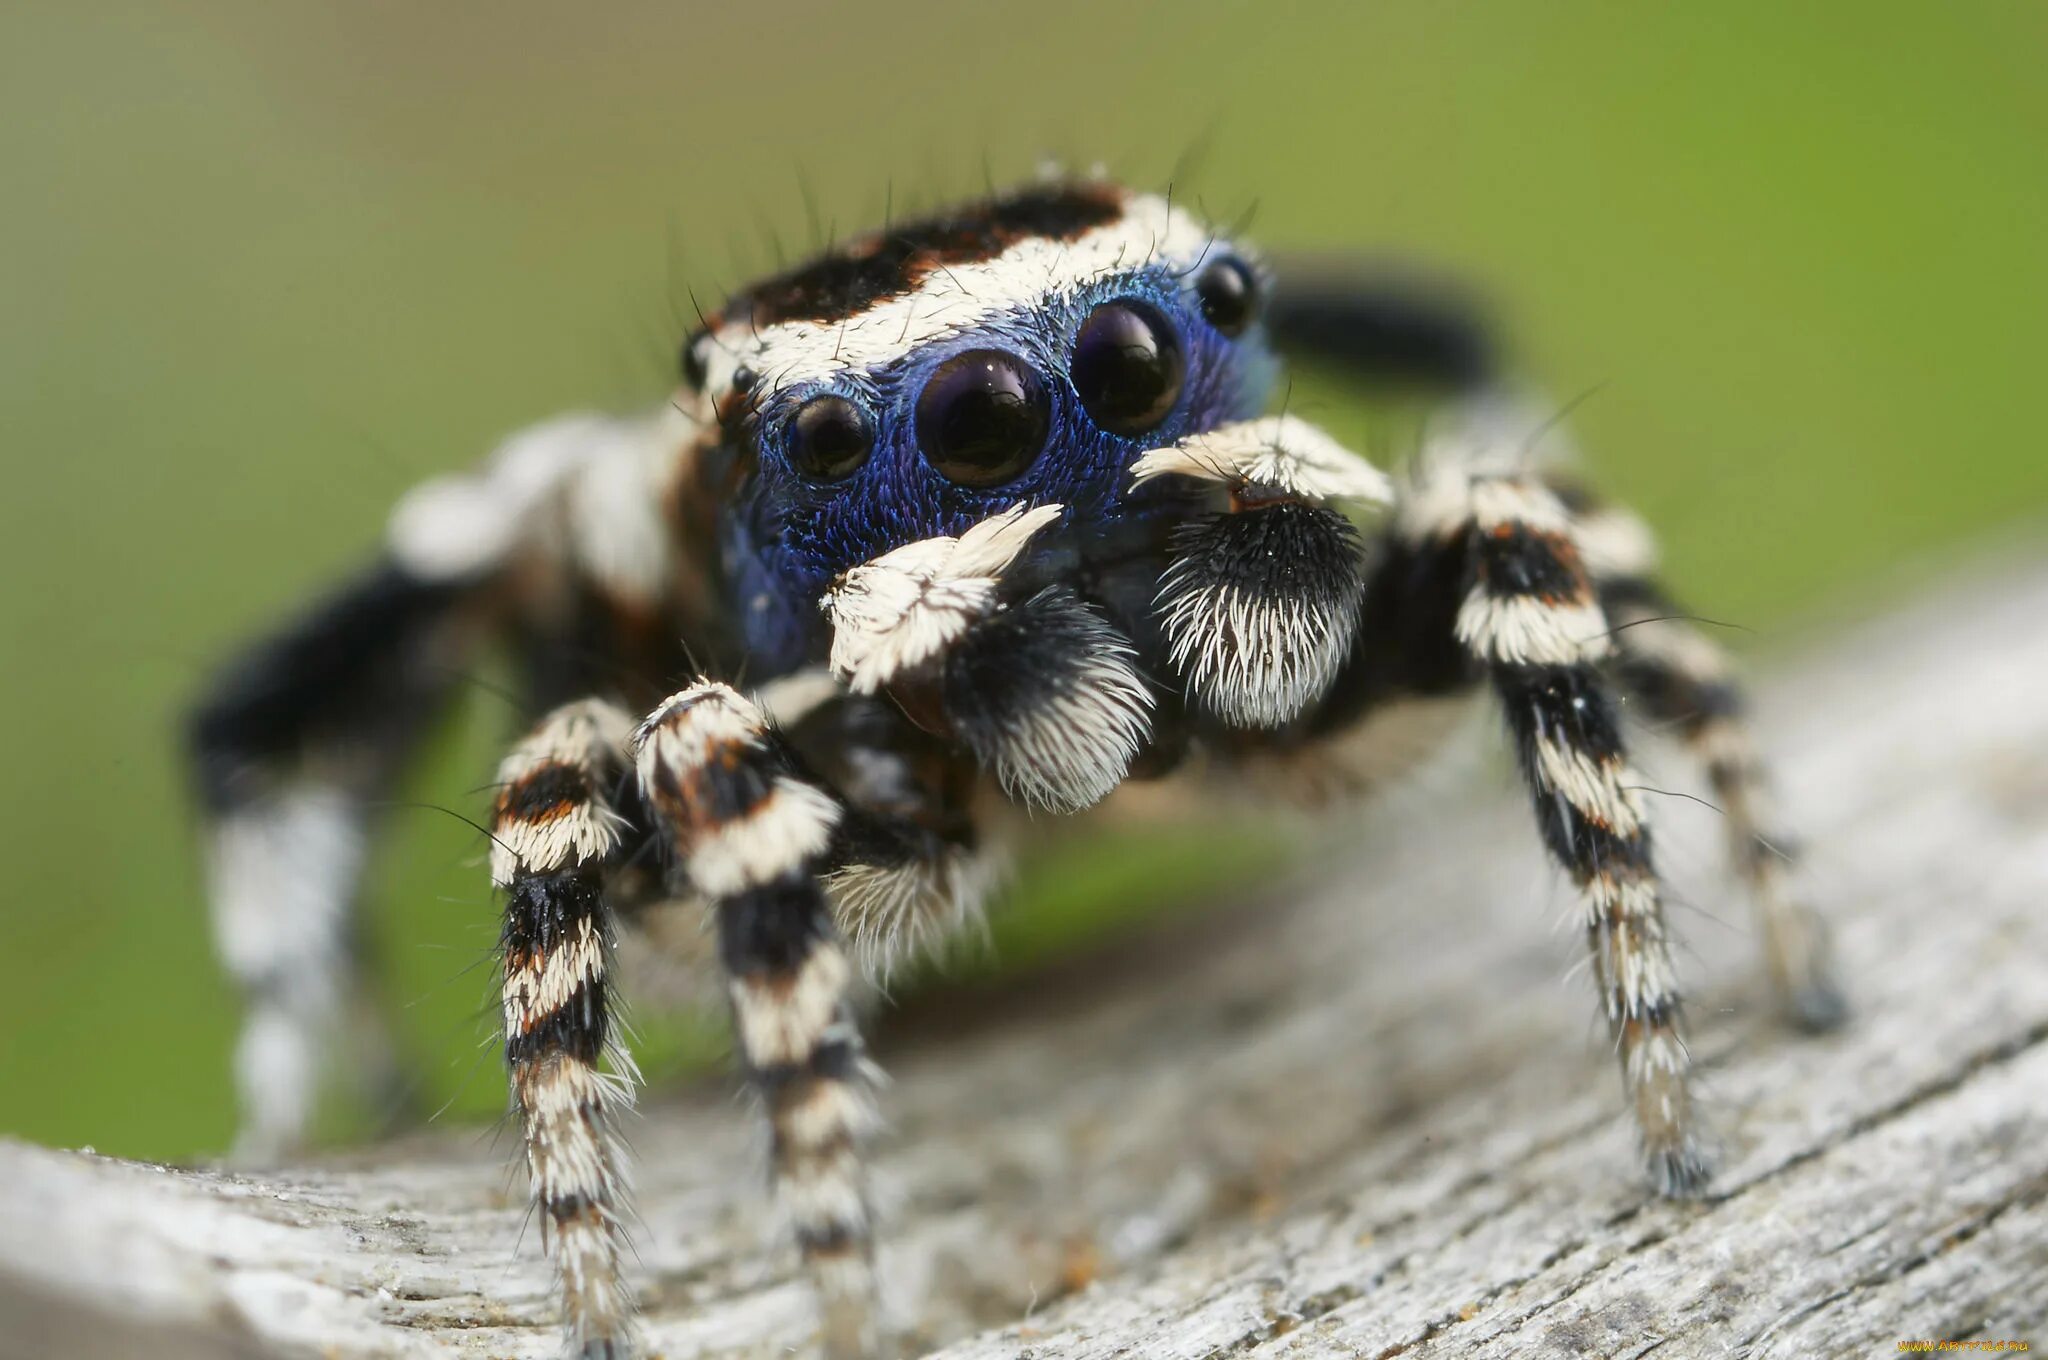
1687 682
770 851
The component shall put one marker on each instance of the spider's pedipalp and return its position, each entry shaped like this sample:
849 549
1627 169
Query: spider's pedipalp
1259 608
1268 458
898 612
1047 695
1042 689
1259 601
752 834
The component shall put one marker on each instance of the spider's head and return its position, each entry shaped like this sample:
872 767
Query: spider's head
1063 384
911 384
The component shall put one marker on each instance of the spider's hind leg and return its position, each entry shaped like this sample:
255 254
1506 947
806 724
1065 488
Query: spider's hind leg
1684 680
301 736
291 746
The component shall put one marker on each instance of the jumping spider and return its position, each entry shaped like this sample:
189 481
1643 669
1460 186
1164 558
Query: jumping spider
982 506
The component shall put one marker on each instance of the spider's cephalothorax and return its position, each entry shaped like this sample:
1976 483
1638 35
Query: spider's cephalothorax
983 507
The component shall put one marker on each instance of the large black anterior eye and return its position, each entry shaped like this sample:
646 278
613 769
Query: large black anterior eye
1229 293
829 438
1127 367
982 417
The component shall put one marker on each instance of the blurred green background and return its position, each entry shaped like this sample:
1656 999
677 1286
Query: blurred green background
263 266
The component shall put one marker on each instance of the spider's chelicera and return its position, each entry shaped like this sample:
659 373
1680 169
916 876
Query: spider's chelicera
987 509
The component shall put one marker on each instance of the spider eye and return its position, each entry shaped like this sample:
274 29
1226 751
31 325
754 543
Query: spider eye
982 417
829 438
1229 294
1127 367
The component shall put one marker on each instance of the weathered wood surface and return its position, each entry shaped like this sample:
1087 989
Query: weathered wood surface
1357 1117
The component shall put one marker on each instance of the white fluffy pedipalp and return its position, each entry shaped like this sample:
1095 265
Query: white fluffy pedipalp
1280 454
908 605
1256 661
1070 749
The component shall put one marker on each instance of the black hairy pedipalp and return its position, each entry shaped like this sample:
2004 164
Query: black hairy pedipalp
1260 608
1044 693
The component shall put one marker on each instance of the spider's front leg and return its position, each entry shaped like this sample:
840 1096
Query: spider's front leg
1531 618
555 836
1263 631
755 835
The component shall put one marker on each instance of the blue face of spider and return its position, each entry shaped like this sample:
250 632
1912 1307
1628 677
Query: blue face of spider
1028 351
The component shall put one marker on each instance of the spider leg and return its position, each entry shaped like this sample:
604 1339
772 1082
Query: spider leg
298 739
293 744
1383 328
914 863
911 863
1528 616
554 837
754 835
1682 678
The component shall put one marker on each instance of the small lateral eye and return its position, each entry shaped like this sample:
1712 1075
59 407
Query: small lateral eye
1127 367
829 438
1229 294
982 417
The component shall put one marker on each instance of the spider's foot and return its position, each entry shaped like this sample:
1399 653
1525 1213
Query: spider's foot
1680 1171
1815 1006
1804 977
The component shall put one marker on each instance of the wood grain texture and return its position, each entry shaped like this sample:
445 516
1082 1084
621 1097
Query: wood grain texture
1363 1115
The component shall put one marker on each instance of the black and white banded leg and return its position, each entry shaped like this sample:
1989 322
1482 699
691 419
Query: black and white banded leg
1531 618
554 835
913 862
1684 680
754 835
294 743
299 738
